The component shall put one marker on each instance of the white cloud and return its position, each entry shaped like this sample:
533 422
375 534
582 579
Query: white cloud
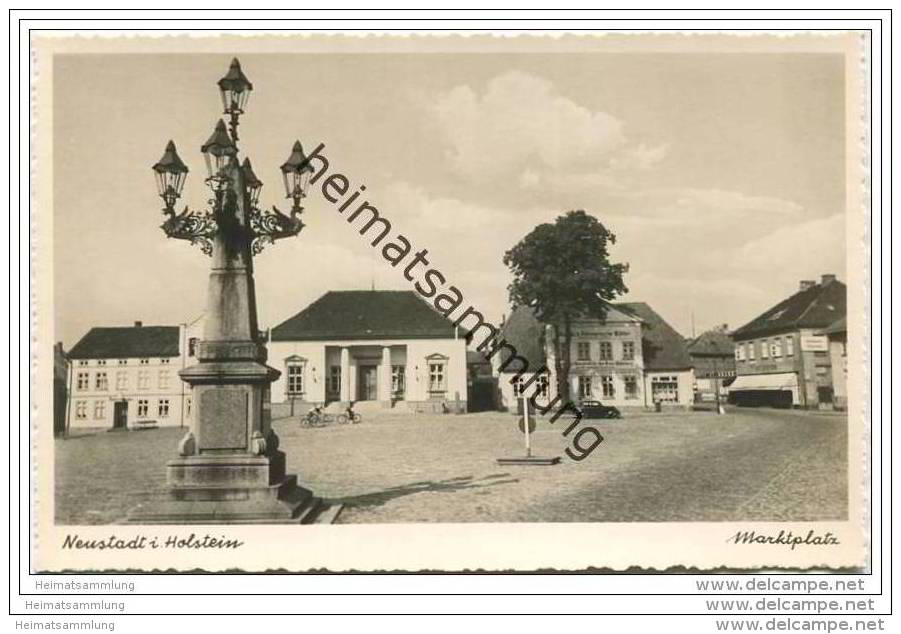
522 126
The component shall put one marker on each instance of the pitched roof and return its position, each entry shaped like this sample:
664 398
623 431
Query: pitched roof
365 315
836 327
127 343
524 332
815 307
711 343
661 346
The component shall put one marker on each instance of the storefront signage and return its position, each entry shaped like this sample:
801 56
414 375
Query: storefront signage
814 343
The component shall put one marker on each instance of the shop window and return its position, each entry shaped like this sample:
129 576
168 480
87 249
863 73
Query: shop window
583 351
628 350
630 384
606 351
665 389
584 387
607 387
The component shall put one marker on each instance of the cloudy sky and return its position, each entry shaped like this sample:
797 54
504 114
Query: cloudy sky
722 175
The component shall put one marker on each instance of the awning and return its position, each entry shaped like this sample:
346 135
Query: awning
778 381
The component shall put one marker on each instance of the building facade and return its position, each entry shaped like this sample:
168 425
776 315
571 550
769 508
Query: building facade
713 358
631 359
127 377
837 334
781 357
388 347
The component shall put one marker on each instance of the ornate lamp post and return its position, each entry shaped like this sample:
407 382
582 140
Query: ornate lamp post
229 468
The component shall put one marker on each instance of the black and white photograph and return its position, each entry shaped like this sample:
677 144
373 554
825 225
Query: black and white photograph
300 287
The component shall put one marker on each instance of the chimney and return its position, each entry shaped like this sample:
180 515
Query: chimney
805 284
827 278
138 324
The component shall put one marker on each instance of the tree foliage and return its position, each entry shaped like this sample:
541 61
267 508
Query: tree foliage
562 271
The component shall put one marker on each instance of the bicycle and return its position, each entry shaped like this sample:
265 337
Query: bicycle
350 417
315 418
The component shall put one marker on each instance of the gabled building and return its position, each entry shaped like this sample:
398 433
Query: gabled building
127 377
713 358
781 357
632 358
382 346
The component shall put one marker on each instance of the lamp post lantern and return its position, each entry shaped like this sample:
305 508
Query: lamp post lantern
229 468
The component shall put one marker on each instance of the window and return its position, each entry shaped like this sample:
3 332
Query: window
607 387
82 362
123 361
143 380
584 387
583 351
790 346
144 361
665 389
740 352
101 362
81 381
100 381
437 378
764 349
606 351
776 348
121 380
143 406
334 380
295 369
751 351
628 350
164 361
99 409
192 347
163 379
518 385
543 385
630 383
81 410
163 408
398 380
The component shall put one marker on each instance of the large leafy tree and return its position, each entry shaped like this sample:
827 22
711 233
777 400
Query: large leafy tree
563 272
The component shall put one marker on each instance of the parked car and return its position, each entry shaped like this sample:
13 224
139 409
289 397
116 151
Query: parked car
596 409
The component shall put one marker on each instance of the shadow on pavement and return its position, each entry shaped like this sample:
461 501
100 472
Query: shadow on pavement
449 485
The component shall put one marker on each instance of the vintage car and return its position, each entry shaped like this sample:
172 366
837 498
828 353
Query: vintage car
596 409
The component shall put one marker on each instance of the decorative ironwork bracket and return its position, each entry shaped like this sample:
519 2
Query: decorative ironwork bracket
266 227
196 227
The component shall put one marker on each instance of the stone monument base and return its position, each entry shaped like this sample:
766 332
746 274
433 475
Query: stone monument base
233 489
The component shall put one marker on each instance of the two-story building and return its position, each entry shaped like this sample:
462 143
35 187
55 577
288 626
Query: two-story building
781 357
632 358
713 358
127 377
389 347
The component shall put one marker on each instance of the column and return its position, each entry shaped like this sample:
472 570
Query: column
384 379
345 374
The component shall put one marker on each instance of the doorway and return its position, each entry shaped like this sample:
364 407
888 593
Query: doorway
367 383
120 414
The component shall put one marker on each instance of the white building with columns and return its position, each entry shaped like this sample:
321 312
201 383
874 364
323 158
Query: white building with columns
386 347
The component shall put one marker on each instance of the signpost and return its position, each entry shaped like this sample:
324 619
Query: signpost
527 426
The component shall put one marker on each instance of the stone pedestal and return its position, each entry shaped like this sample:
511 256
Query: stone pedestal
229 468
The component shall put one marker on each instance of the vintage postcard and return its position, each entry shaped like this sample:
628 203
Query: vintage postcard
451 303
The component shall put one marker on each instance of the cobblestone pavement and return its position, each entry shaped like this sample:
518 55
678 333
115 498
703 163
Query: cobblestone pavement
746 465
